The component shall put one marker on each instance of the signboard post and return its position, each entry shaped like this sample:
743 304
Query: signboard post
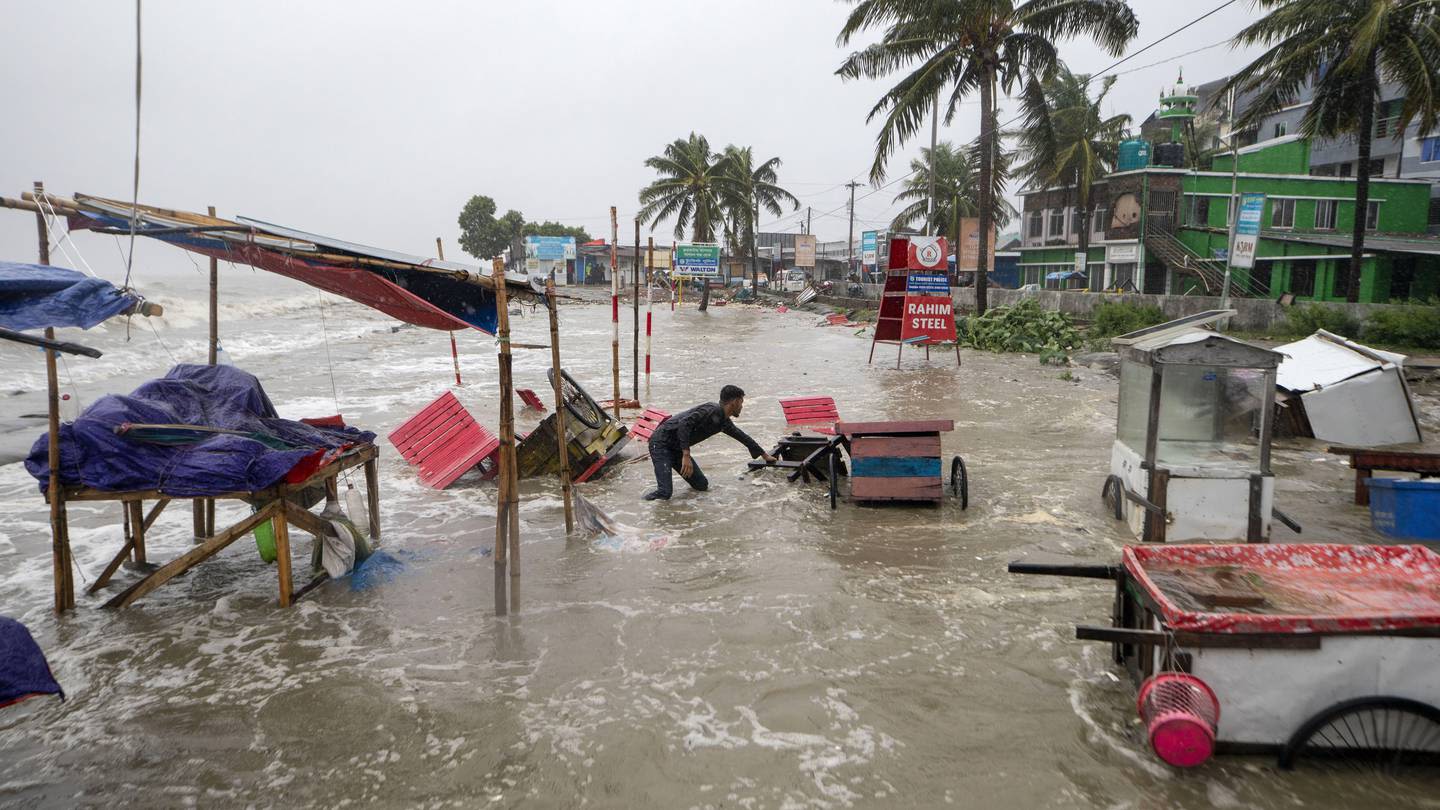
916 307
697 260
1245 239
869 248
805 250
544 254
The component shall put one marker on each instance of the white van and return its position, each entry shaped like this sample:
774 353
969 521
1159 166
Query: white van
795 280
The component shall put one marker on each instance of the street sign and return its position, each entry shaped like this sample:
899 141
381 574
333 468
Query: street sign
550 248
1079 262
927 284
930 317
1247 230
698 260
805 250
969 260
926 253
869 248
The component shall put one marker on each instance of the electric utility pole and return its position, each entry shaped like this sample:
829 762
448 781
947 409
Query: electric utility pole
850 241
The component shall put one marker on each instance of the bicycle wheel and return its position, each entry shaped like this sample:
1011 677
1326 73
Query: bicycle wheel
577 400
1372 733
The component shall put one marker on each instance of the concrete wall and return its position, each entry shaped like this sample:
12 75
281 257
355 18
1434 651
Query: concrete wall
1253 314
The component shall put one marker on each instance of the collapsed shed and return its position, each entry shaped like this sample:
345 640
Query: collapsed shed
1335 389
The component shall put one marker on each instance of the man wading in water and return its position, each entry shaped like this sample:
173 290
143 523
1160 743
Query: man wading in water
670 444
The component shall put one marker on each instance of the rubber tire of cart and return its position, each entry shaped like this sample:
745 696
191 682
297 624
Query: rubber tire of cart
833 475
1112 492
1295 746
960 481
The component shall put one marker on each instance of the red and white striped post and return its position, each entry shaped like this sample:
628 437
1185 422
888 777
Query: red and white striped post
674 279
649 305
615 306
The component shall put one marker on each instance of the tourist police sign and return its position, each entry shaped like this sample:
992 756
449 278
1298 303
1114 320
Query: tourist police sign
1247 230
698 260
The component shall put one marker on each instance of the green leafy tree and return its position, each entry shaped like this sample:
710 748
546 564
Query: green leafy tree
692 189
751 189
1067 141
1348 48
957 193
548 228
954 48
482 234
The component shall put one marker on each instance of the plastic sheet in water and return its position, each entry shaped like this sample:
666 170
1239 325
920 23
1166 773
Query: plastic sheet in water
378 569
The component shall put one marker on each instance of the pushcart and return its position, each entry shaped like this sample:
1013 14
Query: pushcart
1313 652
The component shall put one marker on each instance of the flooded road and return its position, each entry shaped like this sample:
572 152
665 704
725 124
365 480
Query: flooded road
745 647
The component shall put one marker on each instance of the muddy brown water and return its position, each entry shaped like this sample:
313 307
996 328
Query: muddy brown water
745 647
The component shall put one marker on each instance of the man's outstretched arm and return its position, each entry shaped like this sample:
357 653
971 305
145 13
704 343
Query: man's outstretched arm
756 451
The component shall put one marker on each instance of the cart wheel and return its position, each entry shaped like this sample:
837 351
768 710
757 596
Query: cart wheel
960 482
1382 733
834 478
1113 494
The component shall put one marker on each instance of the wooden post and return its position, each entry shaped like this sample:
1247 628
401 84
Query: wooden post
372 497
454 349
137 531
562 436
59 530
281 528
1154 526
649 308
203 509
506 499
635 308
615 306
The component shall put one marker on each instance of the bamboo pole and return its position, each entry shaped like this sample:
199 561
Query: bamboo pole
59 530
503 504
649 308
562 436
615 307
454 349
635 308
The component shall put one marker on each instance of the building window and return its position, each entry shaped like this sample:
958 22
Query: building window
1323 171
1387 118
1035 232
1372 216
1377 167
1282 213
1325 215
1340 287
1430 150
1099 225
1281 129
1057 223
1198 213
1346 169
1302 278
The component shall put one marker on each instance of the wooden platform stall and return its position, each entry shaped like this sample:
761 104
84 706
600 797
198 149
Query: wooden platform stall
282 505
895 461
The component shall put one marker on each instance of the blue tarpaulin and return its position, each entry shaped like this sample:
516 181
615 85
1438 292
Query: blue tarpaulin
24 672
260 449
1064 275
36 296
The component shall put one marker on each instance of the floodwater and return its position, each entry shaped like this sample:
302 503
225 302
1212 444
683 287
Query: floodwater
745 647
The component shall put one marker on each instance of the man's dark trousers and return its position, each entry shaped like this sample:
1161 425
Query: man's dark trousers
667 459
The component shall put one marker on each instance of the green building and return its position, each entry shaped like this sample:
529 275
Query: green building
1164 230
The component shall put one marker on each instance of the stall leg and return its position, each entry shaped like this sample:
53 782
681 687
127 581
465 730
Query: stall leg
1362 486
372 495
280 525
137 530
197 519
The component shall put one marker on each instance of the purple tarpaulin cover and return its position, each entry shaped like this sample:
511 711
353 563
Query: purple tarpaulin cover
24 672
92 454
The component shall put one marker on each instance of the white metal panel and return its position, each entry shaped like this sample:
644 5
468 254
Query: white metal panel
1368 410
1315 363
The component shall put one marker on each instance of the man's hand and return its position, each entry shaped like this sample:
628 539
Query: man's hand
686 466
769 459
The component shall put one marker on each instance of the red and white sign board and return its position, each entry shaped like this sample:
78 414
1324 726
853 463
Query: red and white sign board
927 253
930 317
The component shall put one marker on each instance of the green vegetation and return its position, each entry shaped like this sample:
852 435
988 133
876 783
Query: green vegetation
1413 326
1113 318
1302 321
484 235
1024 327
956 192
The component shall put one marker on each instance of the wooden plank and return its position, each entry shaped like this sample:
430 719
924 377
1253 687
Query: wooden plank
895 446
281 527
372 497
892 467
155 513
137 530
1241 641
191 558
918 489
895 428
110 569
1082 570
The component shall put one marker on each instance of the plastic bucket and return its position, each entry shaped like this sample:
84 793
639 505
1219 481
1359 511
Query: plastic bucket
1403 508
1180 713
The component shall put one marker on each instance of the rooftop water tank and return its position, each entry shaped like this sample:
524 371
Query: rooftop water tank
1134 154
1170 155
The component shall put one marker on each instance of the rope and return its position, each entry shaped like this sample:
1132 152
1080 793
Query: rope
325 333
135 182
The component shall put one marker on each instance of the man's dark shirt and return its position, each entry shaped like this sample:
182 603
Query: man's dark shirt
688 428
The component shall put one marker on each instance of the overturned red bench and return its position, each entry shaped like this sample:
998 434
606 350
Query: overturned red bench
813 413
444 441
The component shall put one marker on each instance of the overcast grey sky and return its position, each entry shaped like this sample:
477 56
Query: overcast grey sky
375 122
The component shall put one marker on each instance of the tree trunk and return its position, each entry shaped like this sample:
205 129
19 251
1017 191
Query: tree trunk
754 251
955 244
1362 182
705 281
987 171
1085 203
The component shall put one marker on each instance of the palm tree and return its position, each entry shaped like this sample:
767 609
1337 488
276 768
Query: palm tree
967 46
693 187
957 193
1347 48
751 189
1067 140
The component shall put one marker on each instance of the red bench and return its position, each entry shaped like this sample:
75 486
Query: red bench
647 422
444 442
531 399
814 413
